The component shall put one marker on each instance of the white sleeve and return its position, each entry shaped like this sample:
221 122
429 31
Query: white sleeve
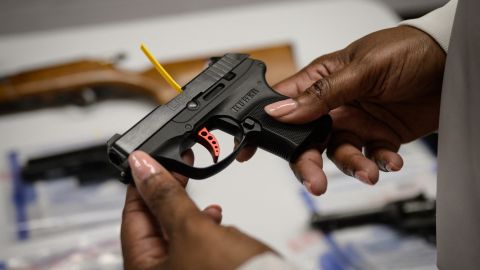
266 261
438 23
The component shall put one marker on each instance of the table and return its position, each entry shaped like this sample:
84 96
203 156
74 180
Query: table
261 196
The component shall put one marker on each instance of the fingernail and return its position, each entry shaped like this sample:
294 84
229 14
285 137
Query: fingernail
382 165
281 108
386 166
142 165
308 186
213 210
390 167
363 176
216 207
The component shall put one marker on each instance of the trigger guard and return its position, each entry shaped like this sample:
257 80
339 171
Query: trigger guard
205 172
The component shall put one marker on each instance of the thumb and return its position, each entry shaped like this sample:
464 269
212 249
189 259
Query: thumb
321 97
163 194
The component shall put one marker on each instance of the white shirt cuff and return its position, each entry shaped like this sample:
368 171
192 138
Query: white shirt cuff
438 23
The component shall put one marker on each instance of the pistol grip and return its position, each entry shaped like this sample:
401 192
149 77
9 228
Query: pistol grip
288 141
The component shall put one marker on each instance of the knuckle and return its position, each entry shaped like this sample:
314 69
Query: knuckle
319 91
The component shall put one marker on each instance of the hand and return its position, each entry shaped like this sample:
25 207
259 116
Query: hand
163 229
381 91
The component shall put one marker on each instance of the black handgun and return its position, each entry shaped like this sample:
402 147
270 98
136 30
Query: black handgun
89 165
230 96
414 215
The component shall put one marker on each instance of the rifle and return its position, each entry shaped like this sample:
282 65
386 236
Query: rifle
85 81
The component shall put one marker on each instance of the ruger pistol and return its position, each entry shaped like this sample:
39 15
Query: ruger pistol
230 96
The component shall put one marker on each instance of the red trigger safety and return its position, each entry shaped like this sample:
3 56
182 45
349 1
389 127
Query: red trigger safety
208 140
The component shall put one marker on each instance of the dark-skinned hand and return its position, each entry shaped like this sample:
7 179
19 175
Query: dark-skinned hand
382 90
163 229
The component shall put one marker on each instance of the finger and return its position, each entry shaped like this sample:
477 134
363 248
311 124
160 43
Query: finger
188 157
320 68
297 83
214 212
385 156
141 241
246 153
383 142
322 96
162 193
309 170
345 151
365 125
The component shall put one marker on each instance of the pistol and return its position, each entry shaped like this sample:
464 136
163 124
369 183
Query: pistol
229 95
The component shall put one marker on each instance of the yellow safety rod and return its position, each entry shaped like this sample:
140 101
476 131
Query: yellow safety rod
160 69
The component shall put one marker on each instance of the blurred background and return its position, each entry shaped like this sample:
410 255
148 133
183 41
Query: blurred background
72 75
31 15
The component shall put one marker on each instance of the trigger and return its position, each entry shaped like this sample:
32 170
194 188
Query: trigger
208 140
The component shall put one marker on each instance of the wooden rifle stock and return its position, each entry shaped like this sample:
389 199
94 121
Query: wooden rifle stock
46 83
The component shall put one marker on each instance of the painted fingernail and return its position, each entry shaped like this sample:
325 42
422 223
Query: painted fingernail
362 176
281 108
142 165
